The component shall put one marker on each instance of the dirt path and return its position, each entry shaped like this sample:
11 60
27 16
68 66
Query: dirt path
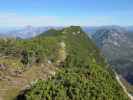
124 88
10 88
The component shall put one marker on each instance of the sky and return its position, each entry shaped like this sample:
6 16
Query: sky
65 12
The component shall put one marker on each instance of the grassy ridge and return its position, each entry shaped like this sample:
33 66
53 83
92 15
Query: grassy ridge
84 75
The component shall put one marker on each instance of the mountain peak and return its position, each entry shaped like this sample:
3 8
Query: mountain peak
110 35
74 28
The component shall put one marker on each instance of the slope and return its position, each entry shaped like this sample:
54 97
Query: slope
83 74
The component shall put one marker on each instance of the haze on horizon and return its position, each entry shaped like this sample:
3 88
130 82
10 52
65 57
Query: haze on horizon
65 12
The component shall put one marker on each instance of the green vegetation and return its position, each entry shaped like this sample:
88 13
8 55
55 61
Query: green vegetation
83 76
82 73
23 61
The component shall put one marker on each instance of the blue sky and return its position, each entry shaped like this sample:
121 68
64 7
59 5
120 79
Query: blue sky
66 12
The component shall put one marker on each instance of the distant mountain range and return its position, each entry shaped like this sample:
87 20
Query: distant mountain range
31 31
93 29
116 44
25 32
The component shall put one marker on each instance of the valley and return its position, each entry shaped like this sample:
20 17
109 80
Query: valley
117 46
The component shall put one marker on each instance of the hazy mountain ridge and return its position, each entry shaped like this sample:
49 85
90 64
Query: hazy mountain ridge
31 31
26 32
117 45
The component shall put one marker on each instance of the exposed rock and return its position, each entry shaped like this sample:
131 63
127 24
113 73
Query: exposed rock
74 33
78 32
61 54
49 62
2 66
